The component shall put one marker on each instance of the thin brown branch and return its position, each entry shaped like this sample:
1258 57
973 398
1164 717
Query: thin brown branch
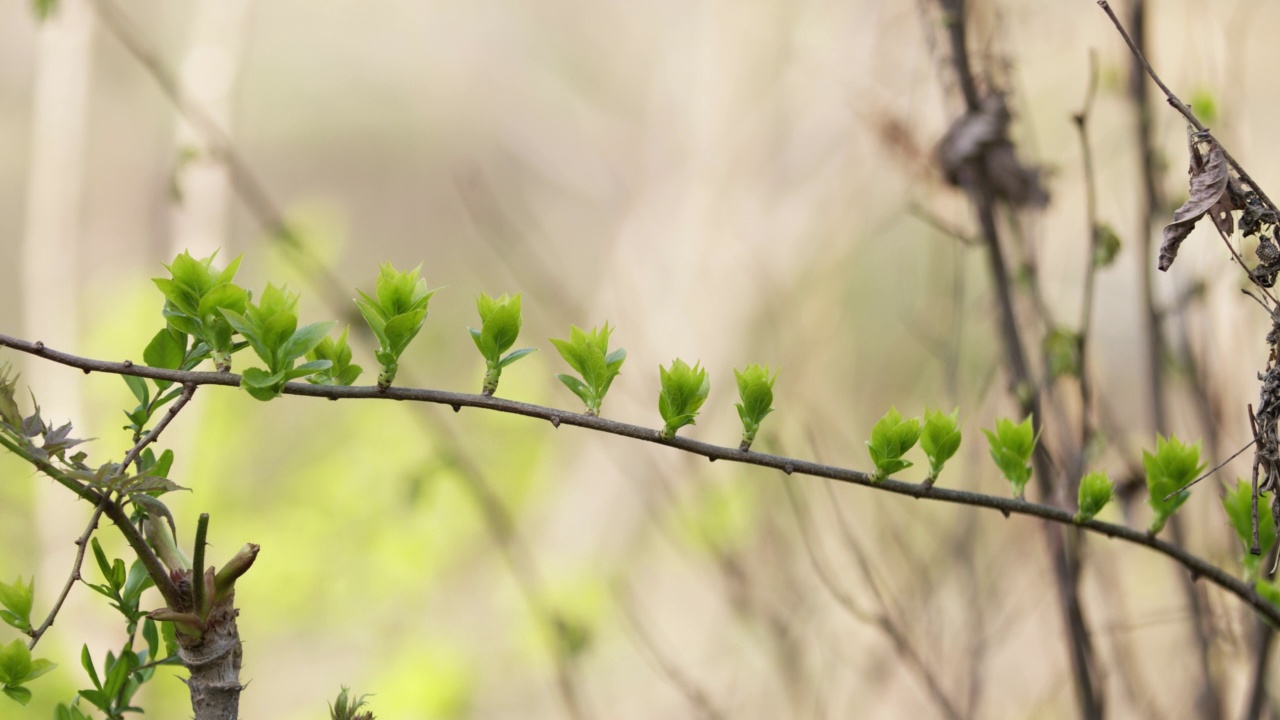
188 391
1007 506
983 198
81 543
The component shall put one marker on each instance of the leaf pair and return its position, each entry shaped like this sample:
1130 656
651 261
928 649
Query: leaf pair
683 390
588 354
271 328
195 297
893 435
340 371
499 327
395 315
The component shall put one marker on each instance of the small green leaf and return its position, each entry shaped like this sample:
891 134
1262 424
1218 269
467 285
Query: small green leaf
514 355
1238 503
1173 466
1095 492
18 694
340 372
588 354
138 387
891 437
1011 447
17 600
44 9
1062 352
940 439
303 341
683 391
1106 245
578 387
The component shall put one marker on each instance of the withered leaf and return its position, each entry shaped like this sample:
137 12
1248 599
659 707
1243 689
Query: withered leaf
1209 195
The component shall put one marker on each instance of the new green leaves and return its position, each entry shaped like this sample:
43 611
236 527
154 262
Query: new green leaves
1238 502
395 316
588 354
1011 447
17 668
939 439
891 438
1173 466
340 371
1095 492
16 599
195 296
499 327
755 388
684 389
271 327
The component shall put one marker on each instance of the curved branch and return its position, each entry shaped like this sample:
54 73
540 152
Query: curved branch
1198 567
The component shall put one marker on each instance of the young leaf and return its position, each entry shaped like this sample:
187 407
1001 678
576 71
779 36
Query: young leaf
940 438
588 354
891 437
395 315
499 327
1062 350
755 389
338 353
1173 466
17 668
16 599
683 391
1095 492
1011 446
195 296
1238 502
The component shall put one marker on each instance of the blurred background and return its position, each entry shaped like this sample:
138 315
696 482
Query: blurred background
729 182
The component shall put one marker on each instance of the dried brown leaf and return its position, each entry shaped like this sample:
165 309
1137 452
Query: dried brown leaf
1209 195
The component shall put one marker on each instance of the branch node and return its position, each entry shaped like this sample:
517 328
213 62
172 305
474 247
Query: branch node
128 363
788 468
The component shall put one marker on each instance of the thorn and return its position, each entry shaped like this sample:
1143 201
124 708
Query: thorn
128 363
86 371
555 421
788 468
457 408
39 346
711 458
1005 512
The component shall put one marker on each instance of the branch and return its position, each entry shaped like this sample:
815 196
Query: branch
145 554
1197 566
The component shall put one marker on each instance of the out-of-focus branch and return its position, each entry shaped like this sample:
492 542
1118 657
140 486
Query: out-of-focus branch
983 197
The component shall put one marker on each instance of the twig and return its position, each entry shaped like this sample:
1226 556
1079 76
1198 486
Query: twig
188 391
1081 120
557 417
1215 469
81 543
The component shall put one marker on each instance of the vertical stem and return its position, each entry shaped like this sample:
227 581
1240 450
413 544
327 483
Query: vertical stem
1208 704
1065 564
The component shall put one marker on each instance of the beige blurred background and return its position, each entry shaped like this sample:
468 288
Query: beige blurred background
731 182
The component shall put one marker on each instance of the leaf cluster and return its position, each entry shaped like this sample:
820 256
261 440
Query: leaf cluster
341 371
499 327
196 297
1095 492
940 439
1011 446
683 390
1238 504
17 668
1173 466
395 315
588 354
271 328
891 437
